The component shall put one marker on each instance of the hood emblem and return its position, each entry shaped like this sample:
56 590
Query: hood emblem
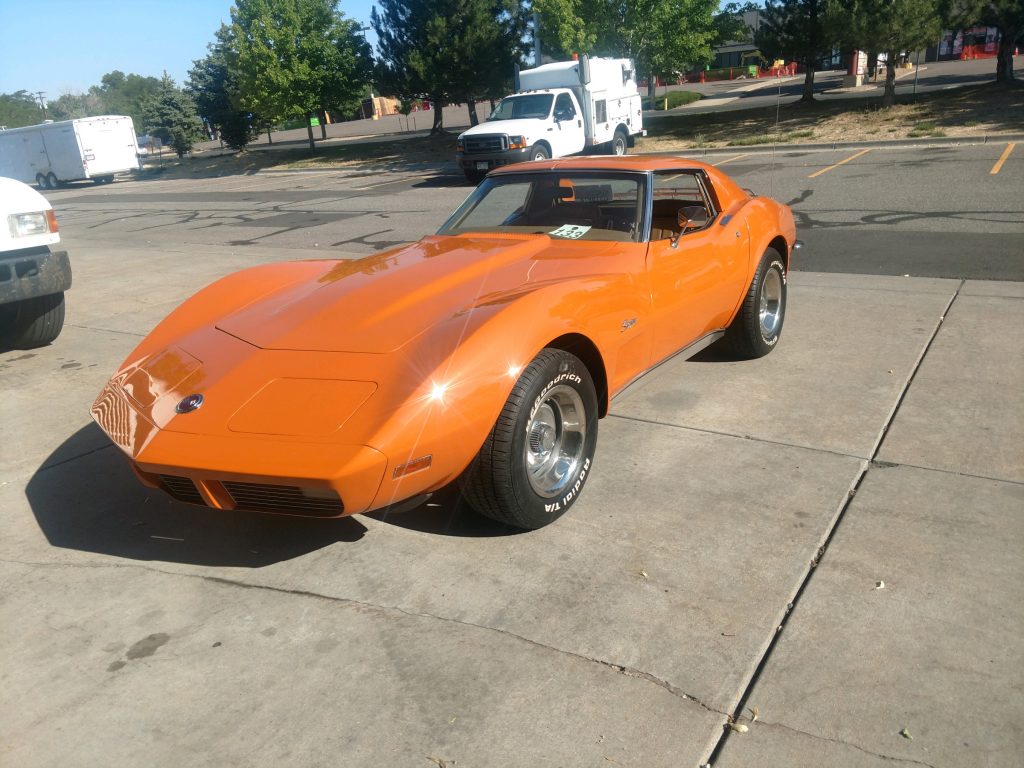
189 404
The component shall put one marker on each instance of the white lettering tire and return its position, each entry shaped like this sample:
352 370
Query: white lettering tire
537 458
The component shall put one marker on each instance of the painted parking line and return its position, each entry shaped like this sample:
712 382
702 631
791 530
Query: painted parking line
383 183
1002 158
737 157
841 162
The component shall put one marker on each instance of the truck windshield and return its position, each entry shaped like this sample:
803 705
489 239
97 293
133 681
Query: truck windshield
537 105
565 206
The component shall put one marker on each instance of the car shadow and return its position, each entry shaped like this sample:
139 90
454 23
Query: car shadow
445 513
85 497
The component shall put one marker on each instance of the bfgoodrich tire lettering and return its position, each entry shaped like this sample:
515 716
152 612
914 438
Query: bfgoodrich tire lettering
758 325
537 458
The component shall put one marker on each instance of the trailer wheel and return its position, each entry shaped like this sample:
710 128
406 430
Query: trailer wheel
52 181
41 180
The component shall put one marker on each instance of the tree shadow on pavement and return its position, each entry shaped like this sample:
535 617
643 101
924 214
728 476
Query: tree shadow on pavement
85 497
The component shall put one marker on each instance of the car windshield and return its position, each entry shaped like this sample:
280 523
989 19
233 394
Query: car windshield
563 205
514 107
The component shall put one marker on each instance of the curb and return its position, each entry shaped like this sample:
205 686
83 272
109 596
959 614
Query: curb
787 146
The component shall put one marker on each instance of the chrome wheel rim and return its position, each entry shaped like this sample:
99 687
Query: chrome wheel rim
555 439
620 147
771 303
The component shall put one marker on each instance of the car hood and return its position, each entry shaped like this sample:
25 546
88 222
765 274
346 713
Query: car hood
378 304
506 127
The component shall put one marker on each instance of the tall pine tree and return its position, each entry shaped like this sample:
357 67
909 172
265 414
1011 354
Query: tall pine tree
798 30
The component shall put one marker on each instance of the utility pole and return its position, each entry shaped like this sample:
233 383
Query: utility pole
42 103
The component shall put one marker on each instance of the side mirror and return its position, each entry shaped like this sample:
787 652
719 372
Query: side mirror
689 218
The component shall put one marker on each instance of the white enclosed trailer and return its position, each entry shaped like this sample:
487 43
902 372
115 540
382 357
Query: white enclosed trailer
48 154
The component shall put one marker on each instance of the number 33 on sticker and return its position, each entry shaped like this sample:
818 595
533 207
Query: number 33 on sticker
571 231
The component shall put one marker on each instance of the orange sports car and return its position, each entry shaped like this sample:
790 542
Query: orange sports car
485 353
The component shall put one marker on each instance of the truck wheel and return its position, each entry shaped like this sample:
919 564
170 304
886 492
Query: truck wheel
533 465
758 325
619 145
41 180
32 322
52 181
539 152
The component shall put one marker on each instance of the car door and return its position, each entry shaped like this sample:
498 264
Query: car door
567 136
696 278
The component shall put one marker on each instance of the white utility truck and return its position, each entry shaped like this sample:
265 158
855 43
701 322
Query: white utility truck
94 148
558 109
33 275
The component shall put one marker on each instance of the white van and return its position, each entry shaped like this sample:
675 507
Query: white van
558 109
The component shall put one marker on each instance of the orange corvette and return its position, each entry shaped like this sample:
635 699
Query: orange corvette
486 352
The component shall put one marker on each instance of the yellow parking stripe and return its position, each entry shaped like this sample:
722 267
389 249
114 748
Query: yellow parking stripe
841 162
1002 158
730 160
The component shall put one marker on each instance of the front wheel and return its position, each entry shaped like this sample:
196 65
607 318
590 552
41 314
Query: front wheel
533 465
758 324
31 323
539 152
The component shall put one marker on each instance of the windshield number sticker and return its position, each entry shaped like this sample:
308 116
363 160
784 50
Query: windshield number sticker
571 231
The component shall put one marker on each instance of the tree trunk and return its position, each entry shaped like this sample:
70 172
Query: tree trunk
473 119
323 123
889 96
438 106
269 139
808 94
309 130
652 90
1004 59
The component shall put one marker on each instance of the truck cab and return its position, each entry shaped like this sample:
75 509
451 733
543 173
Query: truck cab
558 109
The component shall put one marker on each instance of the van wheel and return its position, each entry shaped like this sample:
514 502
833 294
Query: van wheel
539 152
536 460
619 145
32 322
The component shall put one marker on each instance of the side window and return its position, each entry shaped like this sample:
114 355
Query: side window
601 111
564 109
673 192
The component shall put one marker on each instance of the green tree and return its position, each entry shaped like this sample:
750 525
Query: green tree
19 109
798 30
448 50
661 36
171 116
214 89
294 58
1008 17
71 106
121 94
892 27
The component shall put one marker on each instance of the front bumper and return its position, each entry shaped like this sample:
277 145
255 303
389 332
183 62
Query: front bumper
486 161
31 272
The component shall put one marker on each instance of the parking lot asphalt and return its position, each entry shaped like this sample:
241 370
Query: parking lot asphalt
827 538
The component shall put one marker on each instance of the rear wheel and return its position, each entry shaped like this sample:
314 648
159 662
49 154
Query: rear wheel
619 144
533 465
52 181
758 325
41 180
32 322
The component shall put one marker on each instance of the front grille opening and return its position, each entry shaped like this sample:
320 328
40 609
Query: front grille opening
478 144
181 488
285 499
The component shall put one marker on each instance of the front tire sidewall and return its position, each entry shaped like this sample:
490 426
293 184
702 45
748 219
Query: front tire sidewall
535 510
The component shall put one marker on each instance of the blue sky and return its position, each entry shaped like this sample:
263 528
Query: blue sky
56 46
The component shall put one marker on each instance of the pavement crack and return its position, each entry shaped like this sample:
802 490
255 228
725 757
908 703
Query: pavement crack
851 745
621 669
